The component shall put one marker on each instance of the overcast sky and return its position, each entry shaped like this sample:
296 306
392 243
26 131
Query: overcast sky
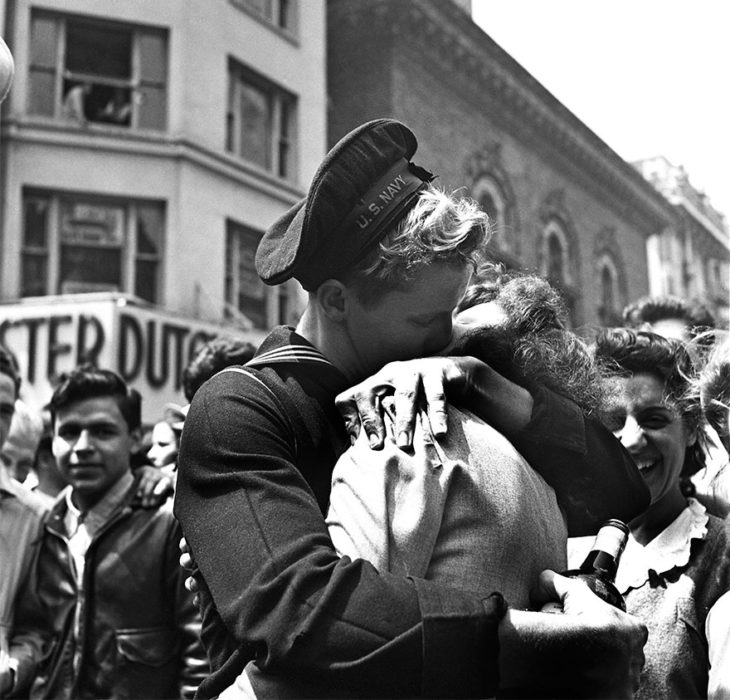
650 77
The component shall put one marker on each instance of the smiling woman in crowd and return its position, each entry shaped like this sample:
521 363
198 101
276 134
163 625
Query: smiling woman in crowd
675 571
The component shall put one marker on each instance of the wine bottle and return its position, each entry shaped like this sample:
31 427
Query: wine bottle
598 570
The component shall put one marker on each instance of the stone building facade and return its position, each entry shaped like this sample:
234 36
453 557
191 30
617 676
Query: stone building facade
145 147
563 202
692 259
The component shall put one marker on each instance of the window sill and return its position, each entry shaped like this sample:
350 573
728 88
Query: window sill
288 34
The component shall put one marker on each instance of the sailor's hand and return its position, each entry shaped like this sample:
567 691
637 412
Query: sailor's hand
424 382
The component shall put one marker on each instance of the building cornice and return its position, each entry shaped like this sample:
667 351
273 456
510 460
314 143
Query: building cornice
445 35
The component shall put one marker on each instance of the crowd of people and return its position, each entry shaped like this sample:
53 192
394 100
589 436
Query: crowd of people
377 502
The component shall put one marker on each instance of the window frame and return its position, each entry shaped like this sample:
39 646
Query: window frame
130 255
281 128
279 302
136 84
281 15
553 229
485 185
612 315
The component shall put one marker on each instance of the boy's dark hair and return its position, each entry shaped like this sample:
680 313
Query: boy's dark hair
697 317
215 355
9 366
88 382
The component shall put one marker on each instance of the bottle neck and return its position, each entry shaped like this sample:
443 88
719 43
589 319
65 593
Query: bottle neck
603 559
601 563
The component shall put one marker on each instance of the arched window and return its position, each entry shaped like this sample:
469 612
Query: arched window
607 289
555 259
489 195
608 312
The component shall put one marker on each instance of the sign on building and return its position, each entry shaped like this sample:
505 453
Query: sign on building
148 347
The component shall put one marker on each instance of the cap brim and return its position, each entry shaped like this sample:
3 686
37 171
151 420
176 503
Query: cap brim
281 246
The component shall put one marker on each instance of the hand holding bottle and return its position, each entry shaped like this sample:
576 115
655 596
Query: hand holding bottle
593 650
598 570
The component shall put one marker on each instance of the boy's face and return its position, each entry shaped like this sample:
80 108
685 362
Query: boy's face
7 405
92 445
17 456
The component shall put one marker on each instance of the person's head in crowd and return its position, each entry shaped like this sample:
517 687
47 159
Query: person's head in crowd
166 436
50 479
649 406
9 388
670 316
18 451
714 388
211 358
96 426
516 322
384 254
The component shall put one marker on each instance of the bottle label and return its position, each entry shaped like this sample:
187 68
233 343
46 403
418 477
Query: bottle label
609 539
552 606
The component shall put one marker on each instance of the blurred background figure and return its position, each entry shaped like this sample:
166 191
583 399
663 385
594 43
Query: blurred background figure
50 480
215 355
21 517
166 438
7 69
713 387
74 103
118 110
18 452
670 316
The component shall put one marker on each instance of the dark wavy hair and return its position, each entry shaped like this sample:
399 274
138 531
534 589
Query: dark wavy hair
88 382
533 346
713 386
215 355
623 352
696 316
9 367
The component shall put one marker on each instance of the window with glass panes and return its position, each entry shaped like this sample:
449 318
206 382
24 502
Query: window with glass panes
260 121
279 13
97 72
82 243
244 291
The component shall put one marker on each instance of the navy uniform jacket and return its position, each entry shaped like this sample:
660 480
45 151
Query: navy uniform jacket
251 497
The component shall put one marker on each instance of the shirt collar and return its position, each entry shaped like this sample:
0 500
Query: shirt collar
669 549
325 374
100 513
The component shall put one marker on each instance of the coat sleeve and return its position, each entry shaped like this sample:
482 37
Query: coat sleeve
592 474
27 647
274 581
194 666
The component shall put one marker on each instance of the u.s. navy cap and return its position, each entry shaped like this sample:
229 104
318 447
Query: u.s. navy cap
363 188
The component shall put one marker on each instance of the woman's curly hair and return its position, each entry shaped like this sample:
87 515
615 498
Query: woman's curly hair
713 383
533 346
623 352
